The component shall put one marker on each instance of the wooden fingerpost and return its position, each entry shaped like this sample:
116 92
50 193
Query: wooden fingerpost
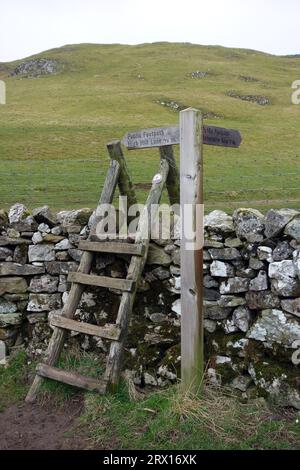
166 153
191 200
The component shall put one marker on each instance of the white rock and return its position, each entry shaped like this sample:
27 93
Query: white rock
41 253
264 253
220 269
219 221
17 213
63 245
44 228
283 270
37 238
260 283
241 318
176 306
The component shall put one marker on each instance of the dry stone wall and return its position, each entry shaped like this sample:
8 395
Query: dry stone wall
251 292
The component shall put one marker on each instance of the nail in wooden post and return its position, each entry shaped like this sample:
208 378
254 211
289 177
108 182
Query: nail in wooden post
191 195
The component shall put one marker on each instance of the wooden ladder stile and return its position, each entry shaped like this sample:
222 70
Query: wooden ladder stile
116 333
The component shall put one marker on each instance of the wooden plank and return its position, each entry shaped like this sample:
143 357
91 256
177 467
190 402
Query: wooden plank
173 179
114 360
108 331
191 195
162 136
58 337
71 378
101 281
112 247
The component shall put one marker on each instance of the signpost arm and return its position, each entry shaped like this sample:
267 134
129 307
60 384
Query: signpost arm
166 153
191 195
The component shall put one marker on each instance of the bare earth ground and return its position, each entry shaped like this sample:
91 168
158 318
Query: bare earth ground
37 427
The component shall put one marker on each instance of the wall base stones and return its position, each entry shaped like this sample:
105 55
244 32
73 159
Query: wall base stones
251 297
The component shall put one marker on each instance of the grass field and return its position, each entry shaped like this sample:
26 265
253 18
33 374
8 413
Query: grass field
53 129
154 420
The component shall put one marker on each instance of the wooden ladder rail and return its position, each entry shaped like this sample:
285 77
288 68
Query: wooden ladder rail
117 174
114 361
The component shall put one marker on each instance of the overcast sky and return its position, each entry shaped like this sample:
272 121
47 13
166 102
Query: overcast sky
31 26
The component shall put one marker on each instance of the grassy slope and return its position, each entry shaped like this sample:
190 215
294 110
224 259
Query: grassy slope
165 420
65 119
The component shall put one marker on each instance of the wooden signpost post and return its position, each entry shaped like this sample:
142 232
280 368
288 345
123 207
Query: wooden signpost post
191 135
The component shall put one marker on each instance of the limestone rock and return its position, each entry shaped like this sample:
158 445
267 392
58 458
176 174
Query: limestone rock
233 243
41 253
282 251
44 283
255 263
12 285
283 270
37 238
296 259
210 326
75 217
291 306
249 224
274 326
5 253
241 318
218 221
234 285
242 383
224 254
213 311
44 215
157 255
161 273
63 245
287 287
44 302
260 283
231 301
210 283
176 306
75 254
293 229
264 253
15 269
262 300
7 307
20 254
10 319
18 213
220 269
276 220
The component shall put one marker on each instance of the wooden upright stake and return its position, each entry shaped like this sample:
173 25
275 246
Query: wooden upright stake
166 153
191 197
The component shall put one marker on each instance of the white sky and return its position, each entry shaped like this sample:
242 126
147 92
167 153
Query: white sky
31 26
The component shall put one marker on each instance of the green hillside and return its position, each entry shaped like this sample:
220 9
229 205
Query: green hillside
54 128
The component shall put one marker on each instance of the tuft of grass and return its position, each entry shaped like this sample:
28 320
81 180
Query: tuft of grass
172 420
13 379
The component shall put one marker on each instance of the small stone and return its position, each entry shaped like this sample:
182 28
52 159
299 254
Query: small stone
37 238
213 311
63 284
158 318
210 326
44 228
274 326
44 215
210 283
176 307
56 230
293 229
12 285
5 253
262 300
264 253
150 380
209 243
12 233
16 269
79 218
249 225
62 256
21 254
218 221
3 360
63 245
220 269
283 271
231 301
44 283
75 254
233 243
230 327
10 319
7 306
291 306
287 287
175 271
255 263
283 251
241 318
17 213
161 273
41 253
50 238
234 285
276 220
260 282
224 254
157 255
241 383
43 302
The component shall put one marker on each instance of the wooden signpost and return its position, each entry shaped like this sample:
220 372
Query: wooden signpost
191 135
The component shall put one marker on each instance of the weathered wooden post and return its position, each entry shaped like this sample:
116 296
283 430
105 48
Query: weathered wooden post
191 200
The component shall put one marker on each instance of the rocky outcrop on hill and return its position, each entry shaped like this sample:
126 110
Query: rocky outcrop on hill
36 68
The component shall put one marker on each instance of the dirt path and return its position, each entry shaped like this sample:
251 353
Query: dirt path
36 427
